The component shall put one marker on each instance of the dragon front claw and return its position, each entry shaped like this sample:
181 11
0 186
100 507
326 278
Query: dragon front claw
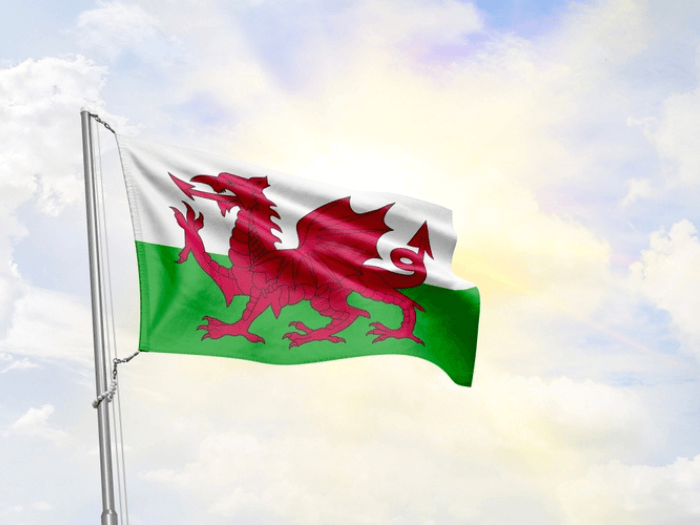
191 224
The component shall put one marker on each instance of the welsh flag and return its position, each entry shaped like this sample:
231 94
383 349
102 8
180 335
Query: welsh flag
241 261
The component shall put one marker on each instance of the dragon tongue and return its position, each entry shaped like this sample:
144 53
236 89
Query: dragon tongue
185 187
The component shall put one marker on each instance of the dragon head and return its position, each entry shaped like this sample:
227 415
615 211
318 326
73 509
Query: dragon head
231 190
245 192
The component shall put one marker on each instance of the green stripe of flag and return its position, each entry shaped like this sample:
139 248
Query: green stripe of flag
175 297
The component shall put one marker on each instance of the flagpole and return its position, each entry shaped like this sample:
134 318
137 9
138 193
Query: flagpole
109 516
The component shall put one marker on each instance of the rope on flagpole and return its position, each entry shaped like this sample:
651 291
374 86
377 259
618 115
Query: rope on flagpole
109 393
111 343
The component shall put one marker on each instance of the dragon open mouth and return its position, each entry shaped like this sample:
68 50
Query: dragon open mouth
226 201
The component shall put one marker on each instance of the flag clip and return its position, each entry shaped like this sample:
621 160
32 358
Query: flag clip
109 394
105 124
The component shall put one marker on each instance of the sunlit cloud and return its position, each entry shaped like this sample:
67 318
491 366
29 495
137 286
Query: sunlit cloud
636 494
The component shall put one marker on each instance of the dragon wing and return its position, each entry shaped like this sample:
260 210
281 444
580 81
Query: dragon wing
334 243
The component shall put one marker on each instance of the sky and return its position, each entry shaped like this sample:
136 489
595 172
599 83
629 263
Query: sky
565 137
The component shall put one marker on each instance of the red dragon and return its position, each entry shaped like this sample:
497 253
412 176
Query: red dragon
326 267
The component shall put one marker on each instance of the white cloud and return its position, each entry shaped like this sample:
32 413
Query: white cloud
354 444
114 28
35 423
674 133
43 506
676 136
637 189
636 494
50 325
22 364
668 274
40 161
40 100
563 413
11 285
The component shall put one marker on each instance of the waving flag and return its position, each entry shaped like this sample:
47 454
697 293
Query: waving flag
240 261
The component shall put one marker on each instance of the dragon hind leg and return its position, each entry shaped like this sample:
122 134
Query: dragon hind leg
216 329
405 330
334 306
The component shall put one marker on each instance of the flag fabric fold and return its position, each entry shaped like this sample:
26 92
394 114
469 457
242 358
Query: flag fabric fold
245 262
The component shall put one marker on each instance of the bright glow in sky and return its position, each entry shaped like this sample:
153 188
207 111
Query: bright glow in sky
564 135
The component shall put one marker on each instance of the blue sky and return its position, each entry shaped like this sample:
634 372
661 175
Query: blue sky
564 135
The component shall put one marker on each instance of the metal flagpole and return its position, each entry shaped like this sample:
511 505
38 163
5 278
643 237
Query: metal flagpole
109 516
